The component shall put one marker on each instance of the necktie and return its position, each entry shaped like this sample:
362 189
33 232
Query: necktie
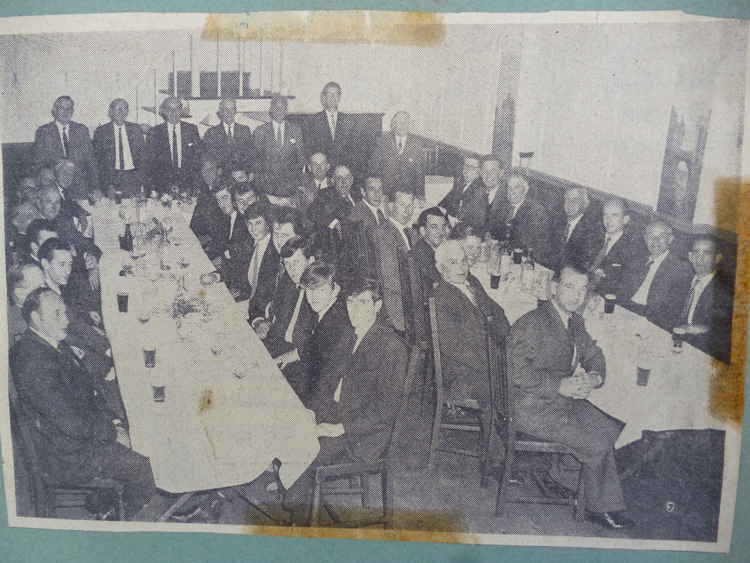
68 353
229 134
289 334
400 146
253 274
121 151
381 216
568 231
279 134
66 141
175 157
689 302
571 334
602 253
406 234
332 124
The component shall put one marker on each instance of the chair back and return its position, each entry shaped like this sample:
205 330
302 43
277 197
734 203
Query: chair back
362 259
415 364
501 390
414 300
23 425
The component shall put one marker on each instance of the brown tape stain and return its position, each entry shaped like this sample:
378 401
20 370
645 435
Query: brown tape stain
205 401
399 28
442 526
732 213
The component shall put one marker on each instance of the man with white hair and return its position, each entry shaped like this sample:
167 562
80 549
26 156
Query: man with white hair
399 158
173 148
524 221
65 138
229 142
577 234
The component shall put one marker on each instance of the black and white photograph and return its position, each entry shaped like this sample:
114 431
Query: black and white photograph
458 277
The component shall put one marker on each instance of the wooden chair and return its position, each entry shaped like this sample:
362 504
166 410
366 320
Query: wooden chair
473 418
359 473
47 495
515 442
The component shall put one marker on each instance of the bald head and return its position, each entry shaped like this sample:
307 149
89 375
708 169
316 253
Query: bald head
451 262
227 110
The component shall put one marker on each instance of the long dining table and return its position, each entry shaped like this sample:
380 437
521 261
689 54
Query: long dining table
227 410
678 393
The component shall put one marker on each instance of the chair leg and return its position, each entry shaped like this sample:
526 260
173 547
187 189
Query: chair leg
484 452
388 499
580 506
502 483
315 517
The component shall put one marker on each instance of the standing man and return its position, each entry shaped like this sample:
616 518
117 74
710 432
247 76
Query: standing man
173 148
332 132
64 138
230 143
399 158
280 155
119 149
554 364
657 287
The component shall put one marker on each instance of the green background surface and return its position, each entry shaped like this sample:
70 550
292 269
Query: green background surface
21 545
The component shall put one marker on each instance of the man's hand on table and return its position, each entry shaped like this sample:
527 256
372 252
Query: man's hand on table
261 328
580 384
287 358
330 430
122 434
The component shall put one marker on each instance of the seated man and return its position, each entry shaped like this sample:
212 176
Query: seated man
210 177
391 239
259 265
577 233
288 223
485 198
553 366
334 204
84 289
470 241
453 203
69 227
330 342
368 392
657 287
37 233
80 438
290 320
433 230
622 245
706 315
22 280
21 218
213 222
316 180
462 307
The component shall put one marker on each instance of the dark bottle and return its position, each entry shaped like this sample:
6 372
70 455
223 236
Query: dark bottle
530 258
126 241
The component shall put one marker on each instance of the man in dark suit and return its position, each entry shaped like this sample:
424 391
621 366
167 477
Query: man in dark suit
258 265
525 223
210 177
39 231
174 149
485 197
290 319
64 138
658 286
433 231
455 200
577 234
80 438
358 229
120 152
369 389
279 155
213 222
553 366
67 223
331 132
706 316
368 211
314 181
391 239
399 158
230 143
622 245
331 341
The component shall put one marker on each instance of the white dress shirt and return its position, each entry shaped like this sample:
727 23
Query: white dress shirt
229 129
400 144
400 228
323 184
699 286
170 128
465 288
232 219
295 315
126 154
46 338
60 129
491 195
374 210
515 210
641 296
332 116
278 132
571 226
360 336
611 240
255 262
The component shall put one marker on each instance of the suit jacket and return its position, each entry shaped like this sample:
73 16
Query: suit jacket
104 148
340 150
530 228
540 354
211 225
48 149
476 211
238 153
324 355
372 388
424 255
406 170
308 191
71 418
389 245
713 310
329 205
629 249
161 174
668 291
363 215
279 168
267 278
462 332
455 199
585 241
280 315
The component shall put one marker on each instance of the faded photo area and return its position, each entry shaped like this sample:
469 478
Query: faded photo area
450 278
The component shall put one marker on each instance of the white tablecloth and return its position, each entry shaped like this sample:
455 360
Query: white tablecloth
679 388
228 410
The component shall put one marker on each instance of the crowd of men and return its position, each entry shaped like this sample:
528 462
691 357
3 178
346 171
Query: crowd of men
284 213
